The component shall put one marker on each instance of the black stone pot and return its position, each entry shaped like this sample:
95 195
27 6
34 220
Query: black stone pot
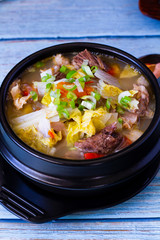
84 178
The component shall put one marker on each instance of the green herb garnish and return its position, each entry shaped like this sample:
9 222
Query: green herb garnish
120 120
120 110
48 87
108 103
96 95
72 103
39 64
70 74
48 78
94 69
34 96
56 94
63 69
71 95
71 87
125 101
62 111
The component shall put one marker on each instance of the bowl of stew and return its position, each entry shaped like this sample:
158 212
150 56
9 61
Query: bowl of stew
80 116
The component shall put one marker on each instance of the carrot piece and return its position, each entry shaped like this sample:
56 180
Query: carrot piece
51 134
92 155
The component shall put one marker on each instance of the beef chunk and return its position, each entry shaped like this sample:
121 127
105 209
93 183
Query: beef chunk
92 60
103 142
60 75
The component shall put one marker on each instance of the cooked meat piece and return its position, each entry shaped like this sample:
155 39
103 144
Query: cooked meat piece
15 91
142 81
60 60
103 142
129 119
19 102
143 98
92 60
156 71
58 126
60 76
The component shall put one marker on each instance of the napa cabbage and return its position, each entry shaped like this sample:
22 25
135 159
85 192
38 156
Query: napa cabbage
86 124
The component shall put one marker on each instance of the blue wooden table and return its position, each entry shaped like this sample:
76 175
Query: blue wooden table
29 25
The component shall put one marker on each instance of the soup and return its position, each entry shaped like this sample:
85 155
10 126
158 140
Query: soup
80 105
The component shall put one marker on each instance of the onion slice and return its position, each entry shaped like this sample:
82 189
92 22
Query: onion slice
102 75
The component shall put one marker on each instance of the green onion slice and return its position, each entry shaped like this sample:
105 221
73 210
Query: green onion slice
71 95
34 96
120 120
125 101
72 103
71 80
56 94
81 107
94 69
63 69
48 78
48 87
70 74
89 105
71 87
87 70
62 111
120 110
39 64
108 103
96 95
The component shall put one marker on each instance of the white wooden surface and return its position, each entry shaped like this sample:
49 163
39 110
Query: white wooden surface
30 25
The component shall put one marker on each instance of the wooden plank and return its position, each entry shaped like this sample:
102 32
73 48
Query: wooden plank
67 230
53 18
14 51
144 205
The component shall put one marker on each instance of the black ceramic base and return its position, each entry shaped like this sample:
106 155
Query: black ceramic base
31 203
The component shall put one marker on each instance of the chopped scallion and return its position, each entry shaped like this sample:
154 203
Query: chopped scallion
120 110
62 111
39 64
96 95
81 107
56 94
63 69
72 103
48 78
125 101
71 95
87 70
120 120
71 87
34 96
89 105
108 103
71 80
94 69
70 74
48 87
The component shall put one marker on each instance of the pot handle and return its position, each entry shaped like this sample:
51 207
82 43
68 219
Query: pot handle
28 202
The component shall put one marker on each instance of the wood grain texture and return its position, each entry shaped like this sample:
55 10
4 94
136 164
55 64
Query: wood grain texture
27 26
14 51
144 205
86 230
58 18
